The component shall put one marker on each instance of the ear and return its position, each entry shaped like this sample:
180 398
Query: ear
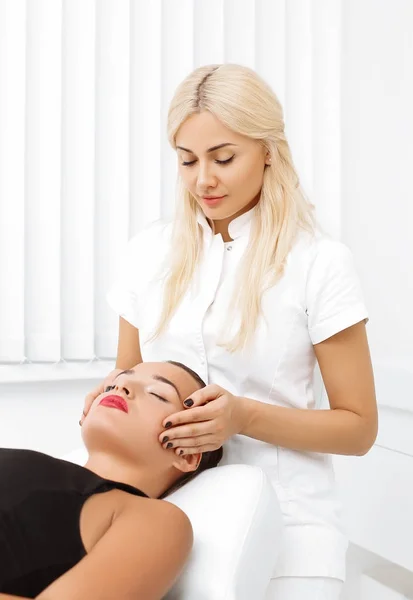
187 462
267 154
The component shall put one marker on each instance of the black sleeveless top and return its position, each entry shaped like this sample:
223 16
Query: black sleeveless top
41 498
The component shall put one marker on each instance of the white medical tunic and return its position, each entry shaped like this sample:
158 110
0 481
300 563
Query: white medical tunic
318 295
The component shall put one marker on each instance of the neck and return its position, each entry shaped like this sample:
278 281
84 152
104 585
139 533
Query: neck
221 226
141 476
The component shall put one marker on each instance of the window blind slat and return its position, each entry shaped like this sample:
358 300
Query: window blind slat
78 179
299 88
270 44
12 171
145 121
240 32
43 155
208 32
326 18
112 158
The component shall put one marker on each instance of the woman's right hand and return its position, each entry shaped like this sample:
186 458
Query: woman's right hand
99 389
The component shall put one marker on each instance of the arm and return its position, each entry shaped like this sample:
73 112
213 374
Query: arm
129 350
350 427
140 556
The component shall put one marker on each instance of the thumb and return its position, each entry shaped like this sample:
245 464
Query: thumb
89 399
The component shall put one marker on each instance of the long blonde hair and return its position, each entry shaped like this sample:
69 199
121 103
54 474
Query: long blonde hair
246 104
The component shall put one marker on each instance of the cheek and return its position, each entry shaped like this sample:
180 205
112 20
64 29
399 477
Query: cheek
153 420
248 177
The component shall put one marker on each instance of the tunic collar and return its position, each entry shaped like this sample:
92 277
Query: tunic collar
239 227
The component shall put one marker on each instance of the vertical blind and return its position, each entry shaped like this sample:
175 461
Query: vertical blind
84 159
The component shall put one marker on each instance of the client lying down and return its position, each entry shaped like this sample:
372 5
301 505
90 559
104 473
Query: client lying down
100 531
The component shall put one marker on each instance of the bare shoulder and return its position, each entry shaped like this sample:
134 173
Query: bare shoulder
159 512
140 555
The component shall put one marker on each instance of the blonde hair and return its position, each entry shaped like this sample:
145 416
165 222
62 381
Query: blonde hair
246 104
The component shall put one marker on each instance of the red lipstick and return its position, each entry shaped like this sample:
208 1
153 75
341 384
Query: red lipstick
115 402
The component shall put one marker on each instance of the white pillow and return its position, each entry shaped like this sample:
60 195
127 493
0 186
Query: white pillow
236 519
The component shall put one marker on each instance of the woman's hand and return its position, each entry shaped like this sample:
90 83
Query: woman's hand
99 389
212 415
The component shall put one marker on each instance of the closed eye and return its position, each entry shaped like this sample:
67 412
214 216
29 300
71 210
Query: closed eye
219 162
110 387
160 397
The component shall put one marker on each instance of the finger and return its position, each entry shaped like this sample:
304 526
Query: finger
192 442
89 399
203 396
195 415
187 431
197 450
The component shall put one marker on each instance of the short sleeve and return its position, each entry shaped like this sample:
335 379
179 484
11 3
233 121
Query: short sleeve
334 299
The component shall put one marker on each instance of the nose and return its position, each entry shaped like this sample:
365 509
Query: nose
206 179
122 388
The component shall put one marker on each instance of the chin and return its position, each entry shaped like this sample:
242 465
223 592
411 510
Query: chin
100 433
220 212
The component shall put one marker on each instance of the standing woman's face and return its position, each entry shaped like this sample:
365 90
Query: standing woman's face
234 171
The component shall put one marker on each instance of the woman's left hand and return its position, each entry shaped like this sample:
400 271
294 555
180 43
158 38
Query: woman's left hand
213 416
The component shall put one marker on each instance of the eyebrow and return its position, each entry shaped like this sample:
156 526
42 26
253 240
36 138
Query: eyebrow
127 372
209 149
171 383
156 377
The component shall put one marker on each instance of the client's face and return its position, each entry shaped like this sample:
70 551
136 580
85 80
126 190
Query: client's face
127 418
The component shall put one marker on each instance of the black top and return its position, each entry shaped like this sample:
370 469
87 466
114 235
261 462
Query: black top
41 498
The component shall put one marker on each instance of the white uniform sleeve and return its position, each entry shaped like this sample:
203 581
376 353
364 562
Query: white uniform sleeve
334 299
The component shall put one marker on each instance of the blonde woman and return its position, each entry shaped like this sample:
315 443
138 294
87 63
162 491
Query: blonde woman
244 288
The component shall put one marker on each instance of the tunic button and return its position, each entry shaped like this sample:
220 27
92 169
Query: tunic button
229 248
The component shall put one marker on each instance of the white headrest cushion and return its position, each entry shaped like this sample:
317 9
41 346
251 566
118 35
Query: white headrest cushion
236 520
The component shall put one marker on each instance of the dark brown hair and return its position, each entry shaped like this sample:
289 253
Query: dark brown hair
208 459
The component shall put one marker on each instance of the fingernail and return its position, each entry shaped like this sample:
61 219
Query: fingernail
80 422
83 413
169 445
165 439
169 424
189 402
181 452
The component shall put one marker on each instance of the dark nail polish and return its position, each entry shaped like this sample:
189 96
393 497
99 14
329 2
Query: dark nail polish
169 424
189 402
181 452
169 445
165 439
